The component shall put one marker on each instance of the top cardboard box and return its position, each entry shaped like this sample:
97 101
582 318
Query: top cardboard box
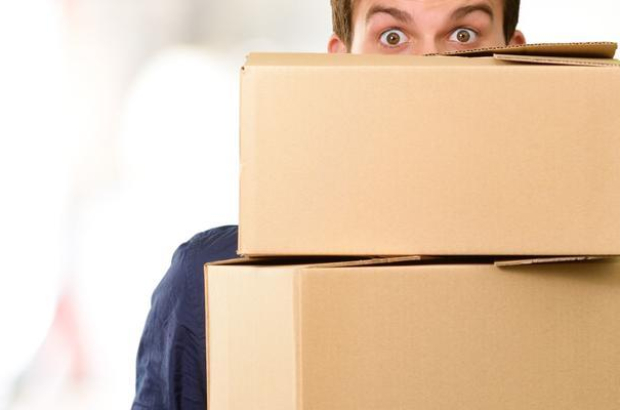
512 151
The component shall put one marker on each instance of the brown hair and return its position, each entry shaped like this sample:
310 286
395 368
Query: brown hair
511 18
342 19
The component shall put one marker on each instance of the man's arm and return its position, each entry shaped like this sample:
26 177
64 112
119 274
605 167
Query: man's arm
171 373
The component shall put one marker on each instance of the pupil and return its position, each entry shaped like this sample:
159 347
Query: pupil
463 36
393 38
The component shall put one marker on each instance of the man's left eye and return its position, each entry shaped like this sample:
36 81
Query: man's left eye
464 36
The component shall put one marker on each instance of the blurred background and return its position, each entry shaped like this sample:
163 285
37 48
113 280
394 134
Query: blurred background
118 142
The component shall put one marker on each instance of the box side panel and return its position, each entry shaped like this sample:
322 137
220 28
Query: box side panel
471 337
507 160
247 127
251 345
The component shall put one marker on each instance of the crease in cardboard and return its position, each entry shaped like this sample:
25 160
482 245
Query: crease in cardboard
297 321
207 333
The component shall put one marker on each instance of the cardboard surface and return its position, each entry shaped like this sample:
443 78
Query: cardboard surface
404 155
430 336
599 50
572 61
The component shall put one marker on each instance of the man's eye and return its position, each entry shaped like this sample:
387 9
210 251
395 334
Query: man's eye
464 36
393 38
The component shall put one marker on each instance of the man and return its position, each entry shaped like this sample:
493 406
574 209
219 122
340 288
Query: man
171 360
422 26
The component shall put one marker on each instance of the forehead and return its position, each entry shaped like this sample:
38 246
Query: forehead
418 7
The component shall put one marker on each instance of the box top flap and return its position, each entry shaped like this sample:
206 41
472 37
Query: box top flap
580 52
291 261
547 260
326 262
605 50
359 262
234 261
572 61
459 260
356 60
374 261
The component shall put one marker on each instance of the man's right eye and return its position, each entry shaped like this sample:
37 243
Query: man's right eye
393 38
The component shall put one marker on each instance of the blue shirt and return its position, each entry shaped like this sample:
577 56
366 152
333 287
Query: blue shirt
171 362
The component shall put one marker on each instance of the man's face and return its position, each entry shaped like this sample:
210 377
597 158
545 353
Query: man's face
425 26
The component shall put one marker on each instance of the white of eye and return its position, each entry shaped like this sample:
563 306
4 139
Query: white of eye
393 38
464 36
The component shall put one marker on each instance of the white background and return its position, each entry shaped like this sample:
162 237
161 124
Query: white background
118 141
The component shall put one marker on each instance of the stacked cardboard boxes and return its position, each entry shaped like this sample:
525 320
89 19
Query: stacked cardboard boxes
361 179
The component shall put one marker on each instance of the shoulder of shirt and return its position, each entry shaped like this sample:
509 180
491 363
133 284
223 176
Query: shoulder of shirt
221 240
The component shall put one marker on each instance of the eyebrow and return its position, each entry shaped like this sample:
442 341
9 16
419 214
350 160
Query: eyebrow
398 14
466 10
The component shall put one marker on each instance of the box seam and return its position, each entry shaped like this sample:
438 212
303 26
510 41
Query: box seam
297 322
207 333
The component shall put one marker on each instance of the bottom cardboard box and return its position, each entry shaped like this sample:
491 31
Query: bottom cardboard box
404 333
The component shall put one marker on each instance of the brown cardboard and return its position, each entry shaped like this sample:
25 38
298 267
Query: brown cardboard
417 336
404 155
588 62
535 261
601 50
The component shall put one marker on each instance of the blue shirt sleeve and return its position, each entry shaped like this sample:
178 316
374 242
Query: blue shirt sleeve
171 361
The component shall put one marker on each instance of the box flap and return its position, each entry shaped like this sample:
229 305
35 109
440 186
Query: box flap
233 261
457 260
290 260
577 50
572 61
327 261
287 60
600 50
355 262
541 261
373 261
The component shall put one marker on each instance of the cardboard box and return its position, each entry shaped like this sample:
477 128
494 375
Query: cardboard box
388 335
516 154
